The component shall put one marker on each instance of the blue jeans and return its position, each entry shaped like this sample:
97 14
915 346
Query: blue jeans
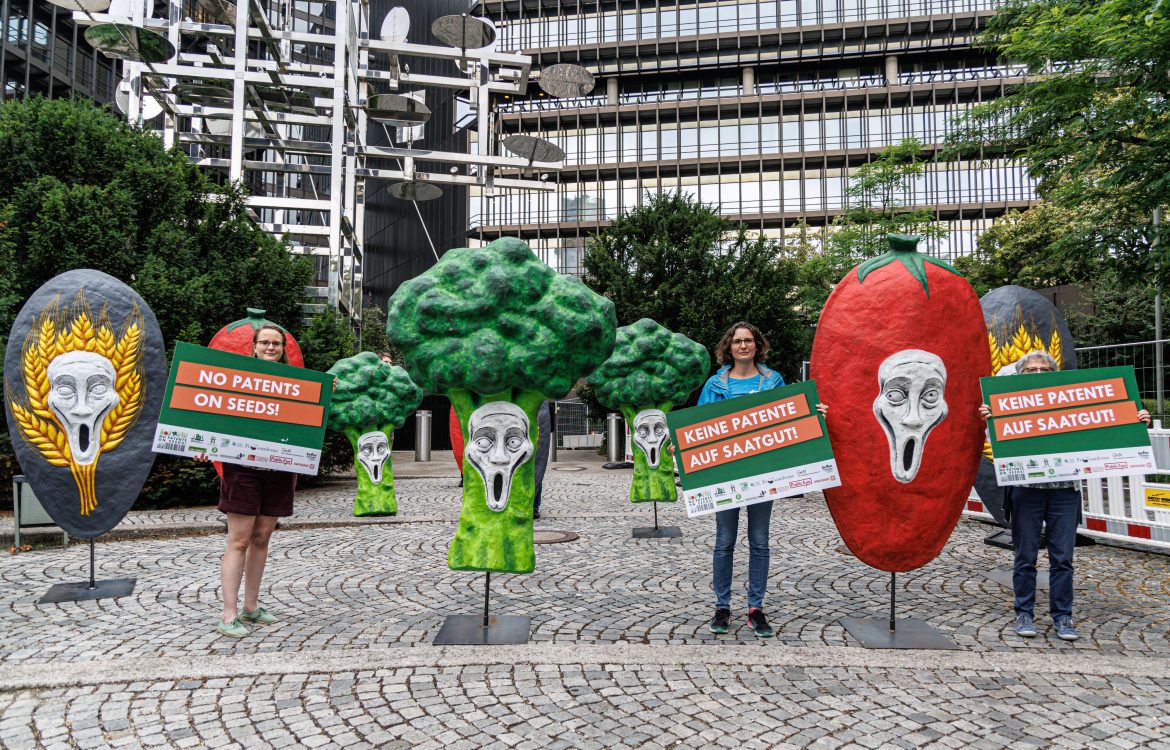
759 518
1059 511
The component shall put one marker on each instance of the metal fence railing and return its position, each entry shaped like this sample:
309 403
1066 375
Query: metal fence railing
1144 357
577 427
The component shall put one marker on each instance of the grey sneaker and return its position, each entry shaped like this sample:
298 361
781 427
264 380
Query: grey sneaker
1025 628
1064 628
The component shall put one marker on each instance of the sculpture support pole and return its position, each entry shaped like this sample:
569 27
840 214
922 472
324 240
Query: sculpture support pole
487 587
92 583
893 583
655 504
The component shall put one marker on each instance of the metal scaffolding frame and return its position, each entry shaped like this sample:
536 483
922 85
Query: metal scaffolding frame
277 95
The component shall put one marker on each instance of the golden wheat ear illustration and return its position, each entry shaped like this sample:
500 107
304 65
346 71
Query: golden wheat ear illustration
59 412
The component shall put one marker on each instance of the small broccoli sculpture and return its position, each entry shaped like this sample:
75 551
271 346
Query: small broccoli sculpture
650 371
498 332
371 399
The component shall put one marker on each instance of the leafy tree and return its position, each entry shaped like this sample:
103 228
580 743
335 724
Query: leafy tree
873 209
79 188
650 369
327 339
374 338
488 325
680 263
371 397
1092 123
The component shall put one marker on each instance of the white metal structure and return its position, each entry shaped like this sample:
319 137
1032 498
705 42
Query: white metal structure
274 95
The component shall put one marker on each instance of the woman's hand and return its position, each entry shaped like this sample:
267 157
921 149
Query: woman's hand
1144 416
823 409
201 458
985 411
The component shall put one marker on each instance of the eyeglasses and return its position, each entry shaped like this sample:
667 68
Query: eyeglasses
269 343
1033 370
742 342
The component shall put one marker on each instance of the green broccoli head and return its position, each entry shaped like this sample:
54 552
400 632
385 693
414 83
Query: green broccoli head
494 318
650 366
371 393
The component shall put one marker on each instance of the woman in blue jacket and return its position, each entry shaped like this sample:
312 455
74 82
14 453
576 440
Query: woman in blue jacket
741 354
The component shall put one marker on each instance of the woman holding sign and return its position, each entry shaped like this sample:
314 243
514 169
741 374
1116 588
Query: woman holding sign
253 500
742 371
1055 508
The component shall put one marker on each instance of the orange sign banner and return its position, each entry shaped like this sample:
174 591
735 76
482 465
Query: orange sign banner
241 381
741 446
1066 420
235 405
1057 396
740 422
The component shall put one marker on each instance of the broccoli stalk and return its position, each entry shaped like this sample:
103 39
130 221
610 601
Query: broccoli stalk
496 324
371 398
650 368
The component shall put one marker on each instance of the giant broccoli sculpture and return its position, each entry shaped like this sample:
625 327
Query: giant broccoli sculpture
498 332
650 370
370 400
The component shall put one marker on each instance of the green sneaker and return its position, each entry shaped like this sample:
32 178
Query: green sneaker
233 629
259 615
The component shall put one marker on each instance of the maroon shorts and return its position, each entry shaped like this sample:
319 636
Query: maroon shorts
256 492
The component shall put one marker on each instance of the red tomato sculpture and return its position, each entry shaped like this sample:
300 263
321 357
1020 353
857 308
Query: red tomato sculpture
237 337
898 354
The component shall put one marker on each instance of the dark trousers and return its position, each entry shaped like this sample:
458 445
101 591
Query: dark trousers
1032 510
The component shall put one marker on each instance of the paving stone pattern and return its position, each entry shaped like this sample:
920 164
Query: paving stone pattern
359 587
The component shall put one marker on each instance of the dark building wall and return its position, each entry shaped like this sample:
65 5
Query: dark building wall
396 243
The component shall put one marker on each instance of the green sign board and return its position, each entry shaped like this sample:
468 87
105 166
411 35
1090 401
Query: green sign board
243 410
1070 425
753 448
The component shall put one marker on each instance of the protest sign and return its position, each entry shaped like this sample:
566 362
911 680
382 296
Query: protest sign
746 450
1060 426
243 410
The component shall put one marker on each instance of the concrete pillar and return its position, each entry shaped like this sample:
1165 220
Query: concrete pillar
611 91
749 81
892 70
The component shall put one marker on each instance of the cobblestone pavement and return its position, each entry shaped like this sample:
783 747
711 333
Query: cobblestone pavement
350 663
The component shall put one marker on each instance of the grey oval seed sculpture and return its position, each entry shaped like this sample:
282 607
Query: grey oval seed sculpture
84 376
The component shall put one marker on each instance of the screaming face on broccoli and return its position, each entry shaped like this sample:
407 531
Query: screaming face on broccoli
498 332
650 371
370 400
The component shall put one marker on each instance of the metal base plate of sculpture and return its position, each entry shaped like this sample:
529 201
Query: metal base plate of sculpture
84 377
651 369
370 401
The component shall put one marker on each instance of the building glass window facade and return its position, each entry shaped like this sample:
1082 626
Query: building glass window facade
764 109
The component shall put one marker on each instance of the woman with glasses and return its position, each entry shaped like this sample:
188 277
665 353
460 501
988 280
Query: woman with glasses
253 500
742 371
1055 509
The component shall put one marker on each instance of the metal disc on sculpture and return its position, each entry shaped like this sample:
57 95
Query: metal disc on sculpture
85 6
85 373
395 26
415 191
149 106
121 41
285 99
222 125
464 32
220 11
533 149
395 109
566 80
203 94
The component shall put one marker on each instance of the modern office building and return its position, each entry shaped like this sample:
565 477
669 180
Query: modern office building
762 108
42 51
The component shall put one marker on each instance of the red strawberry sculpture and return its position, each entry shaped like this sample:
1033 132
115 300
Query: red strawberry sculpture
898 354
237 337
